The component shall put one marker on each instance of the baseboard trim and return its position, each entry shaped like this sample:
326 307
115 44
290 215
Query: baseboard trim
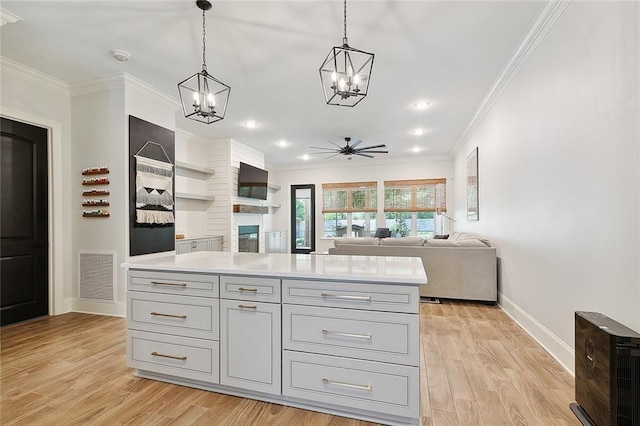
559 350
117 309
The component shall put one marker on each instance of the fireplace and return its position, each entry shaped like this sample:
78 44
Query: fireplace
248 238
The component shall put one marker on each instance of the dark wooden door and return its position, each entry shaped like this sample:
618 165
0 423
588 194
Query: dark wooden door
24 285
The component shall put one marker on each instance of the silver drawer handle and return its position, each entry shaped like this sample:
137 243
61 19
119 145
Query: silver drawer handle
347 385
252 290
337 333
171 284
168 315
340 296
247 307
180 358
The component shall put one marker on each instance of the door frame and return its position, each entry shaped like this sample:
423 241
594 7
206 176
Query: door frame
292 217
55 214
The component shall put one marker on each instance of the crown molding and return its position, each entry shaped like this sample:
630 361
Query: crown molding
538 31
33 76
123 81
7 17
101 84
146 90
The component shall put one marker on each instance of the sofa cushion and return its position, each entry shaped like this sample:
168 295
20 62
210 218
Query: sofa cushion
404 241
362 241
439 243
472 242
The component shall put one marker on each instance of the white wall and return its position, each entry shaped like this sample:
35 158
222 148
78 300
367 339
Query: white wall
558 176
97 140
350 171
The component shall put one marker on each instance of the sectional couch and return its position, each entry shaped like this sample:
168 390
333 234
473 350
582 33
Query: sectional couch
463 266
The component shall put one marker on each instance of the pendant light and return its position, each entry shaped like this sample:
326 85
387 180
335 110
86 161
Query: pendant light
204 98
345 73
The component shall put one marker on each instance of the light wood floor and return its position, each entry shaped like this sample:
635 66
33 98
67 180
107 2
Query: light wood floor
478 368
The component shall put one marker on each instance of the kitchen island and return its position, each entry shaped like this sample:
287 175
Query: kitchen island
336 334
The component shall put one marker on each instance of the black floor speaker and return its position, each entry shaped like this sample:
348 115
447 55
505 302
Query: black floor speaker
607 371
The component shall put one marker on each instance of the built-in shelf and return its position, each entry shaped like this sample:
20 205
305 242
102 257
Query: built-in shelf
273 187
193 168
190 196
272 205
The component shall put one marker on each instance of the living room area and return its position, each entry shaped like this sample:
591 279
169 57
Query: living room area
554 130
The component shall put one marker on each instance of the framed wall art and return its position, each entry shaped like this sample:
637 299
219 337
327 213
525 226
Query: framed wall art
472 186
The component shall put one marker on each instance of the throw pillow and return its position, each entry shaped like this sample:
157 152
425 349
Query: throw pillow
441 237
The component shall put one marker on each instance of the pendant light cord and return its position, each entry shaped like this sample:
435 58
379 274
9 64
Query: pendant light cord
204 42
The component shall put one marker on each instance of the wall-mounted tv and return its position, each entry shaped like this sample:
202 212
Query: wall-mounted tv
252 182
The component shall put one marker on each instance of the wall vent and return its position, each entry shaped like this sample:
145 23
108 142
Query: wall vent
97 274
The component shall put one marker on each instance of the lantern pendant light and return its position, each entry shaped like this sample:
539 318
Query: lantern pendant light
346 72
204 98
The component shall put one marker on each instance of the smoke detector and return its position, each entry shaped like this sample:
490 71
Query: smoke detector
121 55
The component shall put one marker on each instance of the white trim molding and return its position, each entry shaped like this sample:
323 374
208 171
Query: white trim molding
562 352
7 17
146 90
538 31
33 76
57 303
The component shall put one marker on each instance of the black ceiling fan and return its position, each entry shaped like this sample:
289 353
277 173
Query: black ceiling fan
351 149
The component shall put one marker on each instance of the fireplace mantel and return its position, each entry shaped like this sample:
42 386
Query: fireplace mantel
248 208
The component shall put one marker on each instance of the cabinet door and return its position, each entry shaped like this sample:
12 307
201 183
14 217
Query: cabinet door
201 245
215 244
183 247
250 345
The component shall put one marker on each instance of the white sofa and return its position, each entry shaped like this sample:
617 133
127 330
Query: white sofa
463 266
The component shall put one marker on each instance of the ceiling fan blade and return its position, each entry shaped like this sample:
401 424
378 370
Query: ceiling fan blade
356 143
372 152
334 155
372 147
335 144
363 155
323 147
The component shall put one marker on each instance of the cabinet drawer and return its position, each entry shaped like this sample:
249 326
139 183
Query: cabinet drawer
375 297
182 315
377 336
173 283
353 384
194 359
250 288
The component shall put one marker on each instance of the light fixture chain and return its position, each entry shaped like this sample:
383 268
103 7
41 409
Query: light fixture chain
345 20
204 42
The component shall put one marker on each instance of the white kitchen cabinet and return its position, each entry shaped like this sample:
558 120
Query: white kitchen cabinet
173 324
190 245
264 327
250 345
275 242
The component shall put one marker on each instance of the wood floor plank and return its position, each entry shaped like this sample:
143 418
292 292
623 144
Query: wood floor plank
477 367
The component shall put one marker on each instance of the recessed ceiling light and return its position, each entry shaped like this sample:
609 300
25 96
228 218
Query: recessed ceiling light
250 124
420 105
121 55
416 149
418 132
305 157
282 143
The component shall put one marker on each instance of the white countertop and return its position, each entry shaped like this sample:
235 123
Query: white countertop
373 269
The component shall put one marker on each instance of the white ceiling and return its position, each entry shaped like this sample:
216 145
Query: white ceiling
447 52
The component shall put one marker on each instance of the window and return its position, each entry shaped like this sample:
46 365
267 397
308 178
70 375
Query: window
349 209
411 206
